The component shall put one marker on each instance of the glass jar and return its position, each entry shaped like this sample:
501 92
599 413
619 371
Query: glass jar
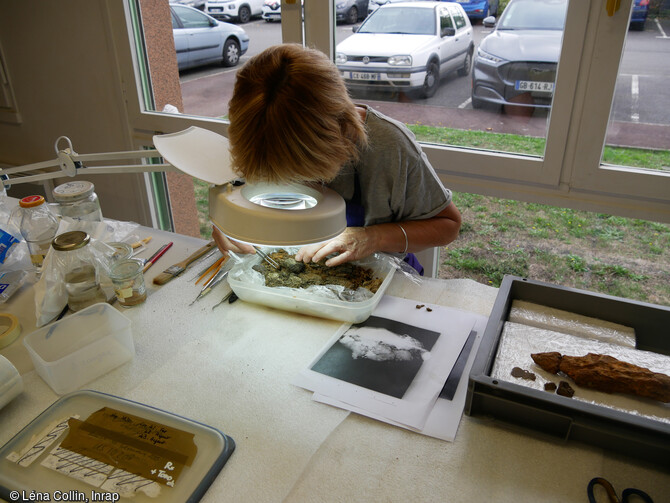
78 201
128 280
37 225
79 270
122 251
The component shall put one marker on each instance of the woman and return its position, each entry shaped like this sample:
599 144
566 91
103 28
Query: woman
291 120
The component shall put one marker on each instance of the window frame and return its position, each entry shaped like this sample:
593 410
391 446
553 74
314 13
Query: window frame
570 174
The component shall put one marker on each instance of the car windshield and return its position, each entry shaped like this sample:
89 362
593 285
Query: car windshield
548 15
405 20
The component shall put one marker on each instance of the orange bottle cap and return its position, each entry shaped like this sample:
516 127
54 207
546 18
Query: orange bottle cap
31 201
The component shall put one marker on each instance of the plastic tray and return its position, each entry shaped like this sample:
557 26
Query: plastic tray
304 302
214 449
560 417
75 350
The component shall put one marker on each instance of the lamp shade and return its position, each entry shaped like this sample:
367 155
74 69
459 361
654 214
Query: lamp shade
277 215
198 152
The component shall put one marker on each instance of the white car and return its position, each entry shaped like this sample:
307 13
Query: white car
407 46
271 10
234 10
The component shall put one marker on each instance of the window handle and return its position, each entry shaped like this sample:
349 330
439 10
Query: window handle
612 6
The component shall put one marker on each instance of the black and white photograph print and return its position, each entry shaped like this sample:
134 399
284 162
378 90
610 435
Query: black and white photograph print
379 354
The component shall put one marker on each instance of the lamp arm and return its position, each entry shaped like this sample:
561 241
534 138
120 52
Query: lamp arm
71 163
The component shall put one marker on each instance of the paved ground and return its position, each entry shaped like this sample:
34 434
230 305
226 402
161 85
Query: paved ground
209 96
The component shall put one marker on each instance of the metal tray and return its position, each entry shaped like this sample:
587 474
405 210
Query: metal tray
559 417
214 449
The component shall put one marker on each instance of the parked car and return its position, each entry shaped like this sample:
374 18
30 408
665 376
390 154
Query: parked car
351 11
373 5
516 63
407 46
639 15
479 9
271 10
198 4
201 40
234 10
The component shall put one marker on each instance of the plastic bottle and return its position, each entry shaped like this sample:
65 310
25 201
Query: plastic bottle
38 226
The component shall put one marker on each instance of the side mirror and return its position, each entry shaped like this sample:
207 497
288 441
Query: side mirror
355 28
448 32
489 22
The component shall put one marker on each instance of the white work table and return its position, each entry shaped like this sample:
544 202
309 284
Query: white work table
232 367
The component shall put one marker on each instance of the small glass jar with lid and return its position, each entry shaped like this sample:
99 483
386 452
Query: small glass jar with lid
78 200
79 271
128 279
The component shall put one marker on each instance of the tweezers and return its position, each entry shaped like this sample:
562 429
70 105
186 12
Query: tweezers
266 257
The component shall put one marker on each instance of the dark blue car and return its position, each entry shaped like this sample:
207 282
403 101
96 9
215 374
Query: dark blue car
479 9
639 15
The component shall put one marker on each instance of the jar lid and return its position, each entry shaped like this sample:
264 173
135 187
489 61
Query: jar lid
73 191
31 201
72 240
126 269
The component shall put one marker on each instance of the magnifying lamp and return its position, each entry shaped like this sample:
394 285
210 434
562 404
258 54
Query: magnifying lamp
261 214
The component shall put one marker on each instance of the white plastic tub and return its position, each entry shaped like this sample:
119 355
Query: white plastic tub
306 302
75 350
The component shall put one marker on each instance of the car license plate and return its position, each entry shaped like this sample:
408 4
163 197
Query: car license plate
215 9
364 76
531 85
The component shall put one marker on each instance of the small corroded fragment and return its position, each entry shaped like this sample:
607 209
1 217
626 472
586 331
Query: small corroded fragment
523 374
550 386
419 306
564 389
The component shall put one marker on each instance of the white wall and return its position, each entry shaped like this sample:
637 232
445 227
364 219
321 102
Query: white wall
57 56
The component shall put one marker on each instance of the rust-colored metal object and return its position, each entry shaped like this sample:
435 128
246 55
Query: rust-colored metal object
606 373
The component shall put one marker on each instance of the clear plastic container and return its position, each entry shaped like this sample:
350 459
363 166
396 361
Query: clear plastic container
37 225
79 270
78 200
128 280
306 302
75 350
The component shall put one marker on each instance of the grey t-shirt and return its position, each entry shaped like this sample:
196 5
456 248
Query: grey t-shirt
395 180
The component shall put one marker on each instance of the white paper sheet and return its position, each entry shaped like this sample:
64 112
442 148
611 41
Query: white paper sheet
417 402
445 415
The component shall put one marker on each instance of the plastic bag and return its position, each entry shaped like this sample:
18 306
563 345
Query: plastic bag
50 294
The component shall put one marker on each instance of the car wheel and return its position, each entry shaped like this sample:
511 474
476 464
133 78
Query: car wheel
477 103
244 14
352 15
231 53
432 80
467 65
639 26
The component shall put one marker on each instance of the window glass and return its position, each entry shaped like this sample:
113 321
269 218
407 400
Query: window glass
638 128
458 18
445 19
491 87
191 18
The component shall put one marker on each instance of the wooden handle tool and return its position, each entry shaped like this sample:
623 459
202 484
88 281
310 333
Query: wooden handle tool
175 270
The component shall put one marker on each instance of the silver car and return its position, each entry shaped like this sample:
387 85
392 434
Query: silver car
200 39
516 63
350 11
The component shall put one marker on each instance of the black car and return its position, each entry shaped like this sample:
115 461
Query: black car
516 63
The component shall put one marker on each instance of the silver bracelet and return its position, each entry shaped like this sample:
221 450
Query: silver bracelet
406 240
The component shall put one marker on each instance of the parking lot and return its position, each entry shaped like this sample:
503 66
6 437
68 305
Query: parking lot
641 99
